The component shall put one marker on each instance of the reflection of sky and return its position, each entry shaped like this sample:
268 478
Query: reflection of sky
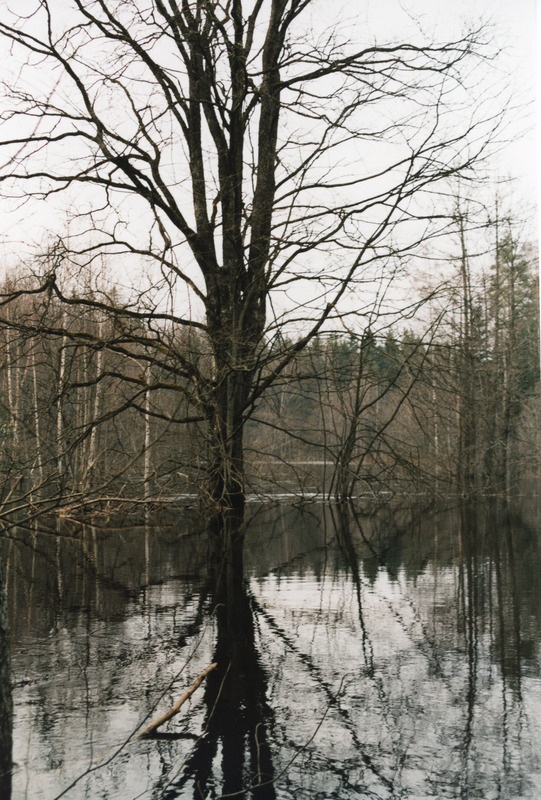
406 683
80 694
369 683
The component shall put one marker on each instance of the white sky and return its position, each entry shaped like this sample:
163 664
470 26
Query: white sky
519 34
518 31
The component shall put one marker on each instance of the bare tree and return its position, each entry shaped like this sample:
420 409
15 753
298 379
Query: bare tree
255 161
512 374
484 365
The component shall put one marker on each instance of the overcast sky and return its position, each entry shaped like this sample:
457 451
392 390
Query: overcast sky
516 29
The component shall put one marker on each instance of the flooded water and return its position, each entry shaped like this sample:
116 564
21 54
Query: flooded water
392 656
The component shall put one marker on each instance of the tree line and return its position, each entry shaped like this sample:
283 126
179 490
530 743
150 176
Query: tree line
96 410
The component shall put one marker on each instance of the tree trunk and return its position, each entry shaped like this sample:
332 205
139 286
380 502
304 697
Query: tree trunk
37 466
147 466
60 445
13 387
467 396
226 477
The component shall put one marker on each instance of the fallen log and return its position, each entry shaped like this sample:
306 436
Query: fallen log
150 729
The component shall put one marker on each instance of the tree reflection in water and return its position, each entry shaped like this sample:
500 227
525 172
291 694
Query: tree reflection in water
6 705
238 715
376 656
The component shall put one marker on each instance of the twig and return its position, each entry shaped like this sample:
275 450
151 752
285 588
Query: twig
149 730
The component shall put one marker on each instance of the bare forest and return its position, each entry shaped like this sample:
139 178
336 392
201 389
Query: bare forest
89 421
263 183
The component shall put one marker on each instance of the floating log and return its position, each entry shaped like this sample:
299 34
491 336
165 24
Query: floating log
150 729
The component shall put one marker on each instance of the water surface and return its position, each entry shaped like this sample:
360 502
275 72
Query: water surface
390 656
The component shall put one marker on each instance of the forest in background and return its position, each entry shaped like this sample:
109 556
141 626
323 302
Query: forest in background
90 422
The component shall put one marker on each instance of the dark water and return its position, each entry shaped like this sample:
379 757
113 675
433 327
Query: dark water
396 656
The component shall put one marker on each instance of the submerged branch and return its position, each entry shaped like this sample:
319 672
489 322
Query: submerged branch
150 729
